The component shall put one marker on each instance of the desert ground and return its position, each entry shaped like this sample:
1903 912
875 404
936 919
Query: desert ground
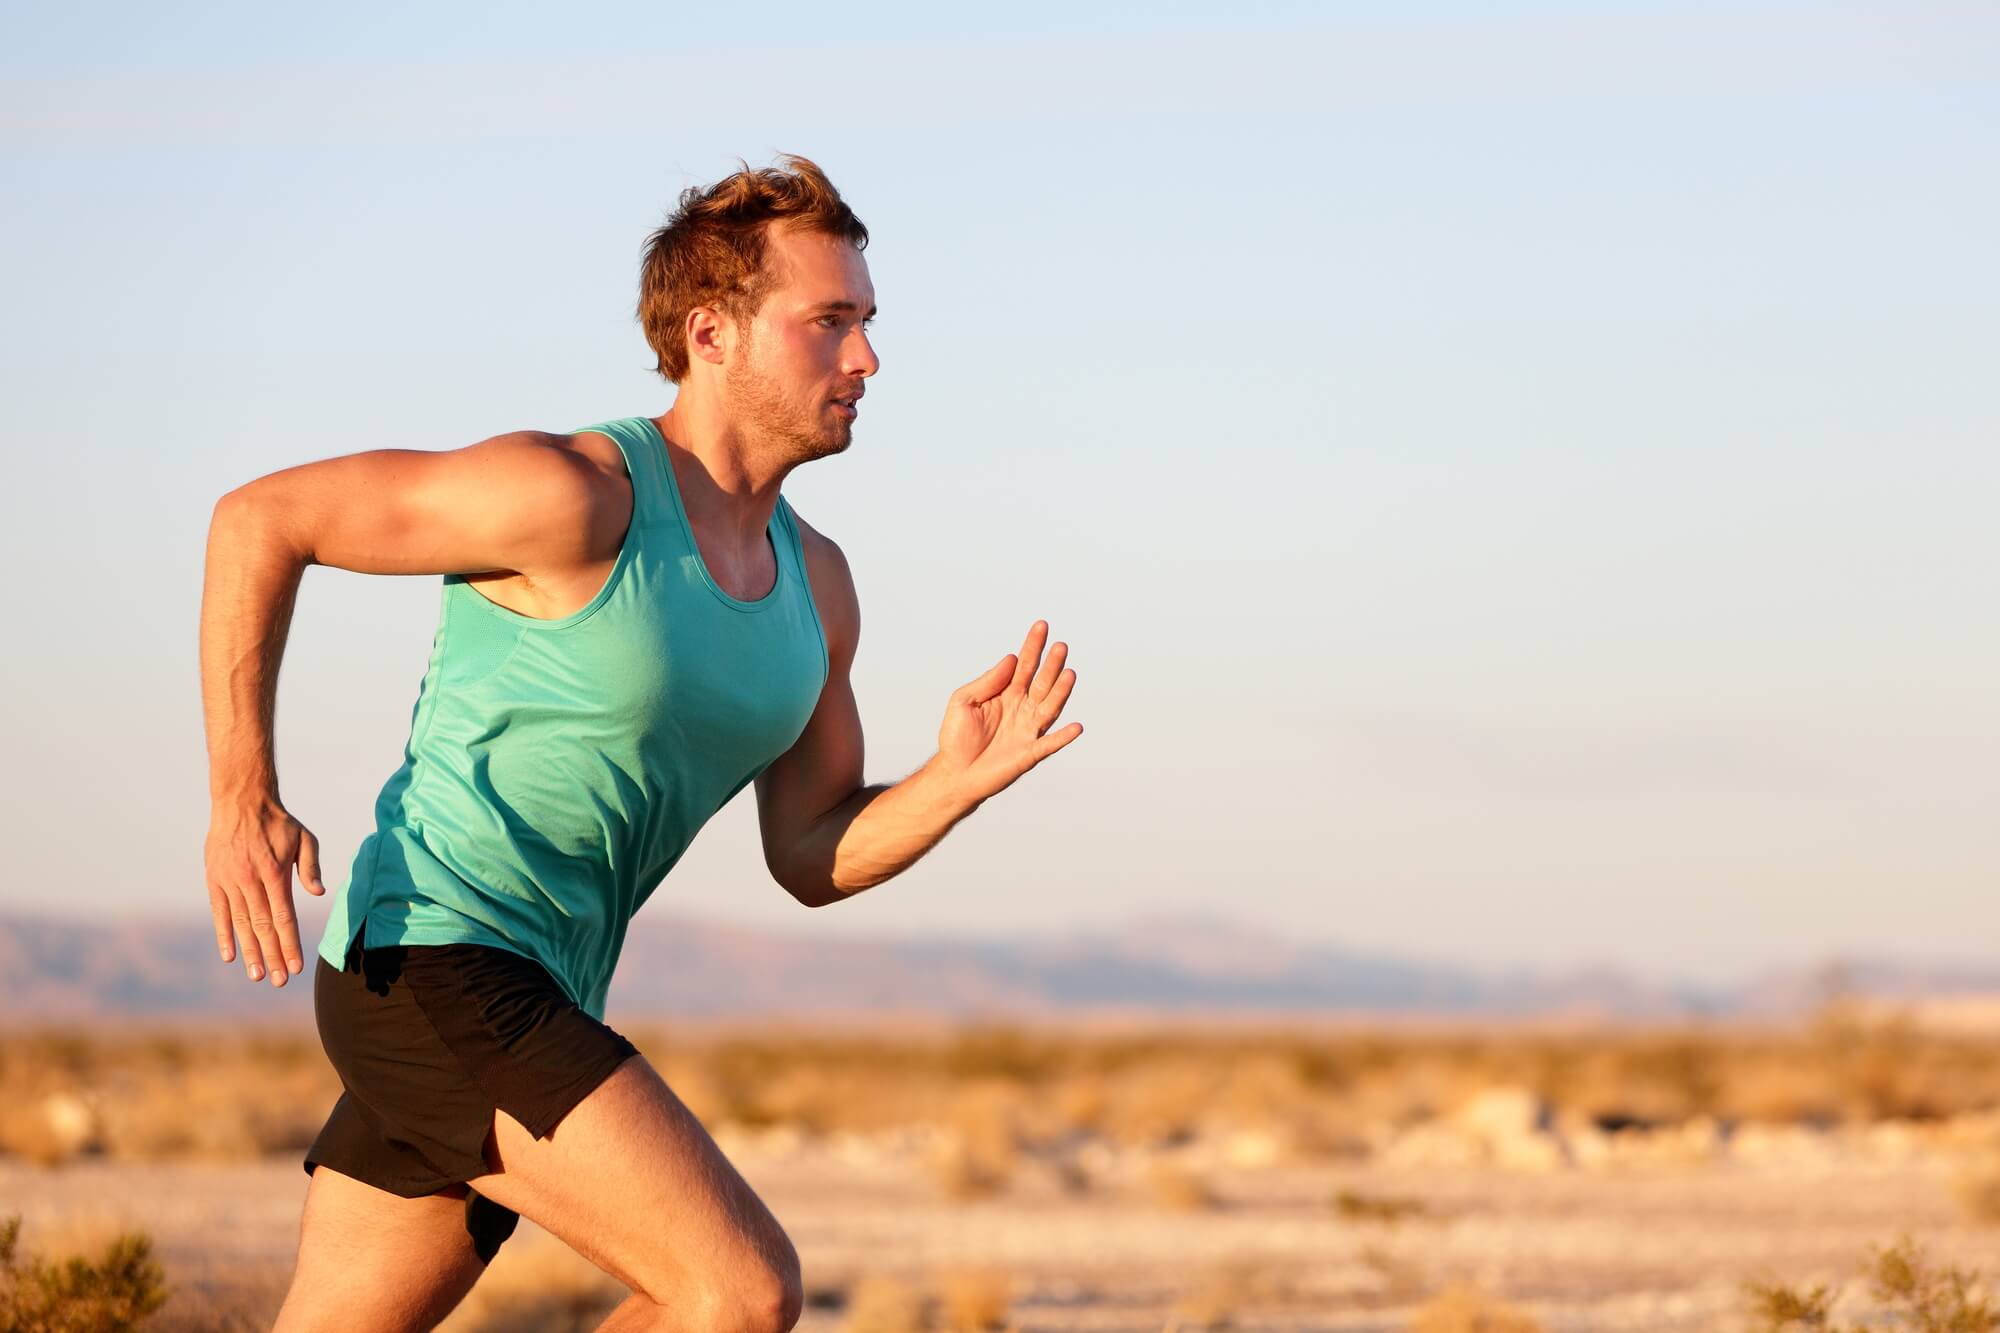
1503 1181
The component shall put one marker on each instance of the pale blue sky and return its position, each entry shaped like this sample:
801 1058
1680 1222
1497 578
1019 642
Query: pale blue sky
1518 479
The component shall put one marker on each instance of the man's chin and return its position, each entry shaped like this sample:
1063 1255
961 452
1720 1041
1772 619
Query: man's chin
826 446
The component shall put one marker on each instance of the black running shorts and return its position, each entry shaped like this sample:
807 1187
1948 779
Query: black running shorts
428 1040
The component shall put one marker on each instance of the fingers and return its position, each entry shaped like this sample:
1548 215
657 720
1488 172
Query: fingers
987 684
1052 703
1055 740
251 855
246 937
286 919
264 925
1031 655
309 862
225 940
1051 671
263 916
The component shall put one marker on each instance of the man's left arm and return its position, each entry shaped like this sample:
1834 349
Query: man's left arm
826 835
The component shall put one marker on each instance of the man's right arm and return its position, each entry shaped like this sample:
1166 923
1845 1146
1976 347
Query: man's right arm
522 502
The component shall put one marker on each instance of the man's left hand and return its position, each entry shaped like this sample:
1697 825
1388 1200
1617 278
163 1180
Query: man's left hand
997 727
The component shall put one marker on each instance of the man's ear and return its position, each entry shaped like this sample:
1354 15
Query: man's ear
707 331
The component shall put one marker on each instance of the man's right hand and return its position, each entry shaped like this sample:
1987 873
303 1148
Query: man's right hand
250 852
553 507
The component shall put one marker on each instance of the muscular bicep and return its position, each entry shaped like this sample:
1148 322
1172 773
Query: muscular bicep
513 502
824 766
822 769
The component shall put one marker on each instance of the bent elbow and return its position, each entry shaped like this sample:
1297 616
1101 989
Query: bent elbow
800 887
232 508
809 893
254 517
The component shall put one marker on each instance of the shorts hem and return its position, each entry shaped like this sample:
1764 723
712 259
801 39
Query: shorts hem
548 1116
402 1187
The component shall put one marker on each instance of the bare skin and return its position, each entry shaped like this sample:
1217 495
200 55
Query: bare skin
630 1179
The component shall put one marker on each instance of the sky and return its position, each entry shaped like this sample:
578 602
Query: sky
1516 478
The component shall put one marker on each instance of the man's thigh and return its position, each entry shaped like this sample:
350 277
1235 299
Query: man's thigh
631 1181
375 1260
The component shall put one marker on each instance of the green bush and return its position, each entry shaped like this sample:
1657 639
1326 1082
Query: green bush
77 1296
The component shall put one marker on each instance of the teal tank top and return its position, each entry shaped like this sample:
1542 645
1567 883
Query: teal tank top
557 769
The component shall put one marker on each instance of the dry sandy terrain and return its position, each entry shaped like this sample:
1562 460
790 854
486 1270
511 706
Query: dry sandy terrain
1612 1248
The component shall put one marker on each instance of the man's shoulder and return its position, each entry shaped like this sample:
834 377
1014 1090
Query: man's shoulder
576 480
816 544
542 454
591 453
831 578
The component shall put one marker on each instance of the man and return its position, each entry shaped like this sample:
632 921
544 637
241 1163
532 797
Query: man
634 626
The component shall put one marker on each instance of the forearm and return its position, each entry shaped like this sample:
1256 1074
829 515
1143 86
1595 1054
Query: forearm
249 588
877 833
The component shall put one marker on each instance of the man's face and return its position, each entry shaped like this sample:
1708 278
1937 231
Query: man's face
796 376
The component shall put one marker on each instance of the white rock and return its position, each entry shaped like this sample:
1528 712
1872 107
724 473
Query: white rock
72 1122
1505 1112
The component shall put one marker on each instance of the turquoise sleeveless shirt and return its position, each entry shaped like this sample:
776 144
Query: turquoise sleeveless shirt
557 769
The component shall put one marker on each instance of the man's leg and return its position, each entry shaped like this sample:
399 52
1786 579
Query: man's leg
631 1181
375 1260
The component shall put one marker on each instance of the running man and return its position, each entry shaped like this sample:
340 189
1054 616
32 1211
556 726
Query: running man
634 626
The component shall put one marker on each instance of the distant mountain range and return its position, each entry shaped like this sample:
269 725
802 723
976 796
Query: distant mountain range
165 969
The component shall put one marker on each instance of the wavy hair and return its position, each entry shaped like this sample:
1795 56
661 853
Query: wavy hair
710 251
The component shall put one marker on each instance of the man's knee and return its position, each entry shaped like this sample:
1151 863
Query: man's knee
771 1311
760 1298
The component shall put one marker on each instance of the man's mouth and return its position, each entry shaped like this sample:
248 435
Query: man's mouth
847 407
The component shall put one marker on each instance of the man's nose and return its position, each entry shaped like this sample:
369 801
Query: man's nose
861 359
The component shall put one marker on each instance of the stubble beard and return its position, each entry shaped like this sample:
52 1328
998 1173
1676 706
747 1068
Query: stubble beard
762 412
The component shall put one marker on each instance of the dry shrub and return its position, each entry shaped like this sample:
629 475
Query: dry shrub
1646 1080
1399 1279
697 1086
973 1300
1411 1091
825 1294
78 1294
985 1115
237 1114
1779 1090
1007 1052
1180 1188
1359 1207
1217 1295
802 1097
1917 1296
962 1174
1977 1187
220 1094
885 1305
1079 1103
1931 1299
1072 1177
1464 1308
80 1233
1327 1131
149 1096
1262 1089
1159 1104
1776 1308
980 1150
1884 1067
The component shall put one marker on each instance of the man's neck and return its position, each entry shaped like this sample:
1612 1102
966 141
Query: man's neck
728 483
